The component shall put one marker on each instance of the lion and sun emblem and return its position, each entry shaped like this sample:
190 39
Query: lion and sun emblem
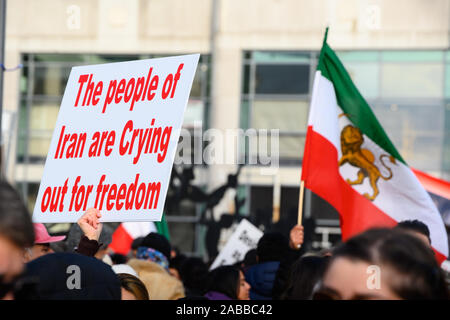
353 154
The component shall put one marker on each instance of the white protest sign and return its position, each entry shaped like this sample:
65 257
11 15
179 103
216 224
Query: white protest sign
245 238
115 140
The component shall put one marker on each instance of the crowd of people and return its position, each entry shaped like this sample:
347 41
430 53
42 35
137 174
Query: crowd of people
380 263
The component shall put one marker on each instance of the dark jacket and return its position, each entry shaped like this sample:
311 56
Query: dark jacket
57 273
88 247
261 278
214 295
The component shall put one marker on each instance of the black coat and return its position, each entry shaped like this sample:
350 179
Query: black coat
71 276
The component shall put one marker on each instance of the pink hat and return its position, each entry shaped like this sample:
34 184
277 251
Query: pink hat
41 235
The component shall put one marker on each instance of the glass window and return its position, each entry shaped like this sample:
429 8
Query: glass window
447 80
412 80
193 116
282 79
291 147
412 56
417 132
268 102
38 145
246 80
261 56
283 115
182 235
23 84
244 115
446 152
99 59
51 80
43 115
55 58
196 90
358 56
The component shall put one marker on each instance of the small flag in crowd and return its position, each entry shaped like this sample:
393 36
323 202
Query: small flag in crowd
126 232
350 162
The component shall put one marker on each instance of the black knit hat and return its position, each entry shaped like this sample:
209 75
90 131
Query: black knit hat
158 242
273 246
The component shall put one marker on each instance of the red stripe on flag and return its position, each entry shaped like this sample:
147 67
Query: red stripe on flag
439 256
357 213
121 241
434 185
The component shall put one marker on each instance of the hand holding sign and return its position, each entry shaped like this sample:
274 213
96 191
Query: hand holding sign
90 225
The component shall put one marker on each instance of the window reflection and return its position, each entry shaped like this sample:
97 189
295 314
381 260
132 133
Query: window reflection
282 79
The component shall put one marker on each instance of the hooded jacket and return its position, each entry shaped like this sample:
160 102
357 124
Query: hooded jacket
159 283
261 278
72 276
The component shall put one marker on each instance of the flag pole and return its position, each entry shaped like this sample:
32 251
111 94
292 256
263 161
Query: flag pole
300 202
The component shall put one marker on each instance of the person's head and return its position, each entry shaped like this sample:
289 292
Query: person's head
118 258
193 273
230 281
135 245
250 258
42 242
272 246
36 251
416 228
304 275
158 242
175 264
73 276
383 264
155 248
132 288
16 234
174 252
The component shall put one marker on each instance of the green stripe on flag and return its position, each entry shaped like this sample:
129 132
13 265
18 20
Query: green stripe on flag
352 102
162 227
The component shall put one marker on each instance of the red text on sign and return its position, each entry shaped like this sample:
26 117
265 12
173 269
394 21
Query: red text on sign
149 140
132 89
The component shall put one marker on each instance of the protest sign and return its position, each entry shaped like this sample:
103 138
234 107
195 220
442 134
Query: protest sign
245 238
115 140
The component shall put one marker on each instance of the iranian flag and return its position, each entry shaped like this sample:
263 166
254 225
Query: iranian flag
126 232
350 162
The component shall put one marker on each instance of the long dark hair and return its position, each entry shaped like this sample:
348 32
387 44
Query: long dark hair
224 279
417 274
133 285
304 274
193 273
